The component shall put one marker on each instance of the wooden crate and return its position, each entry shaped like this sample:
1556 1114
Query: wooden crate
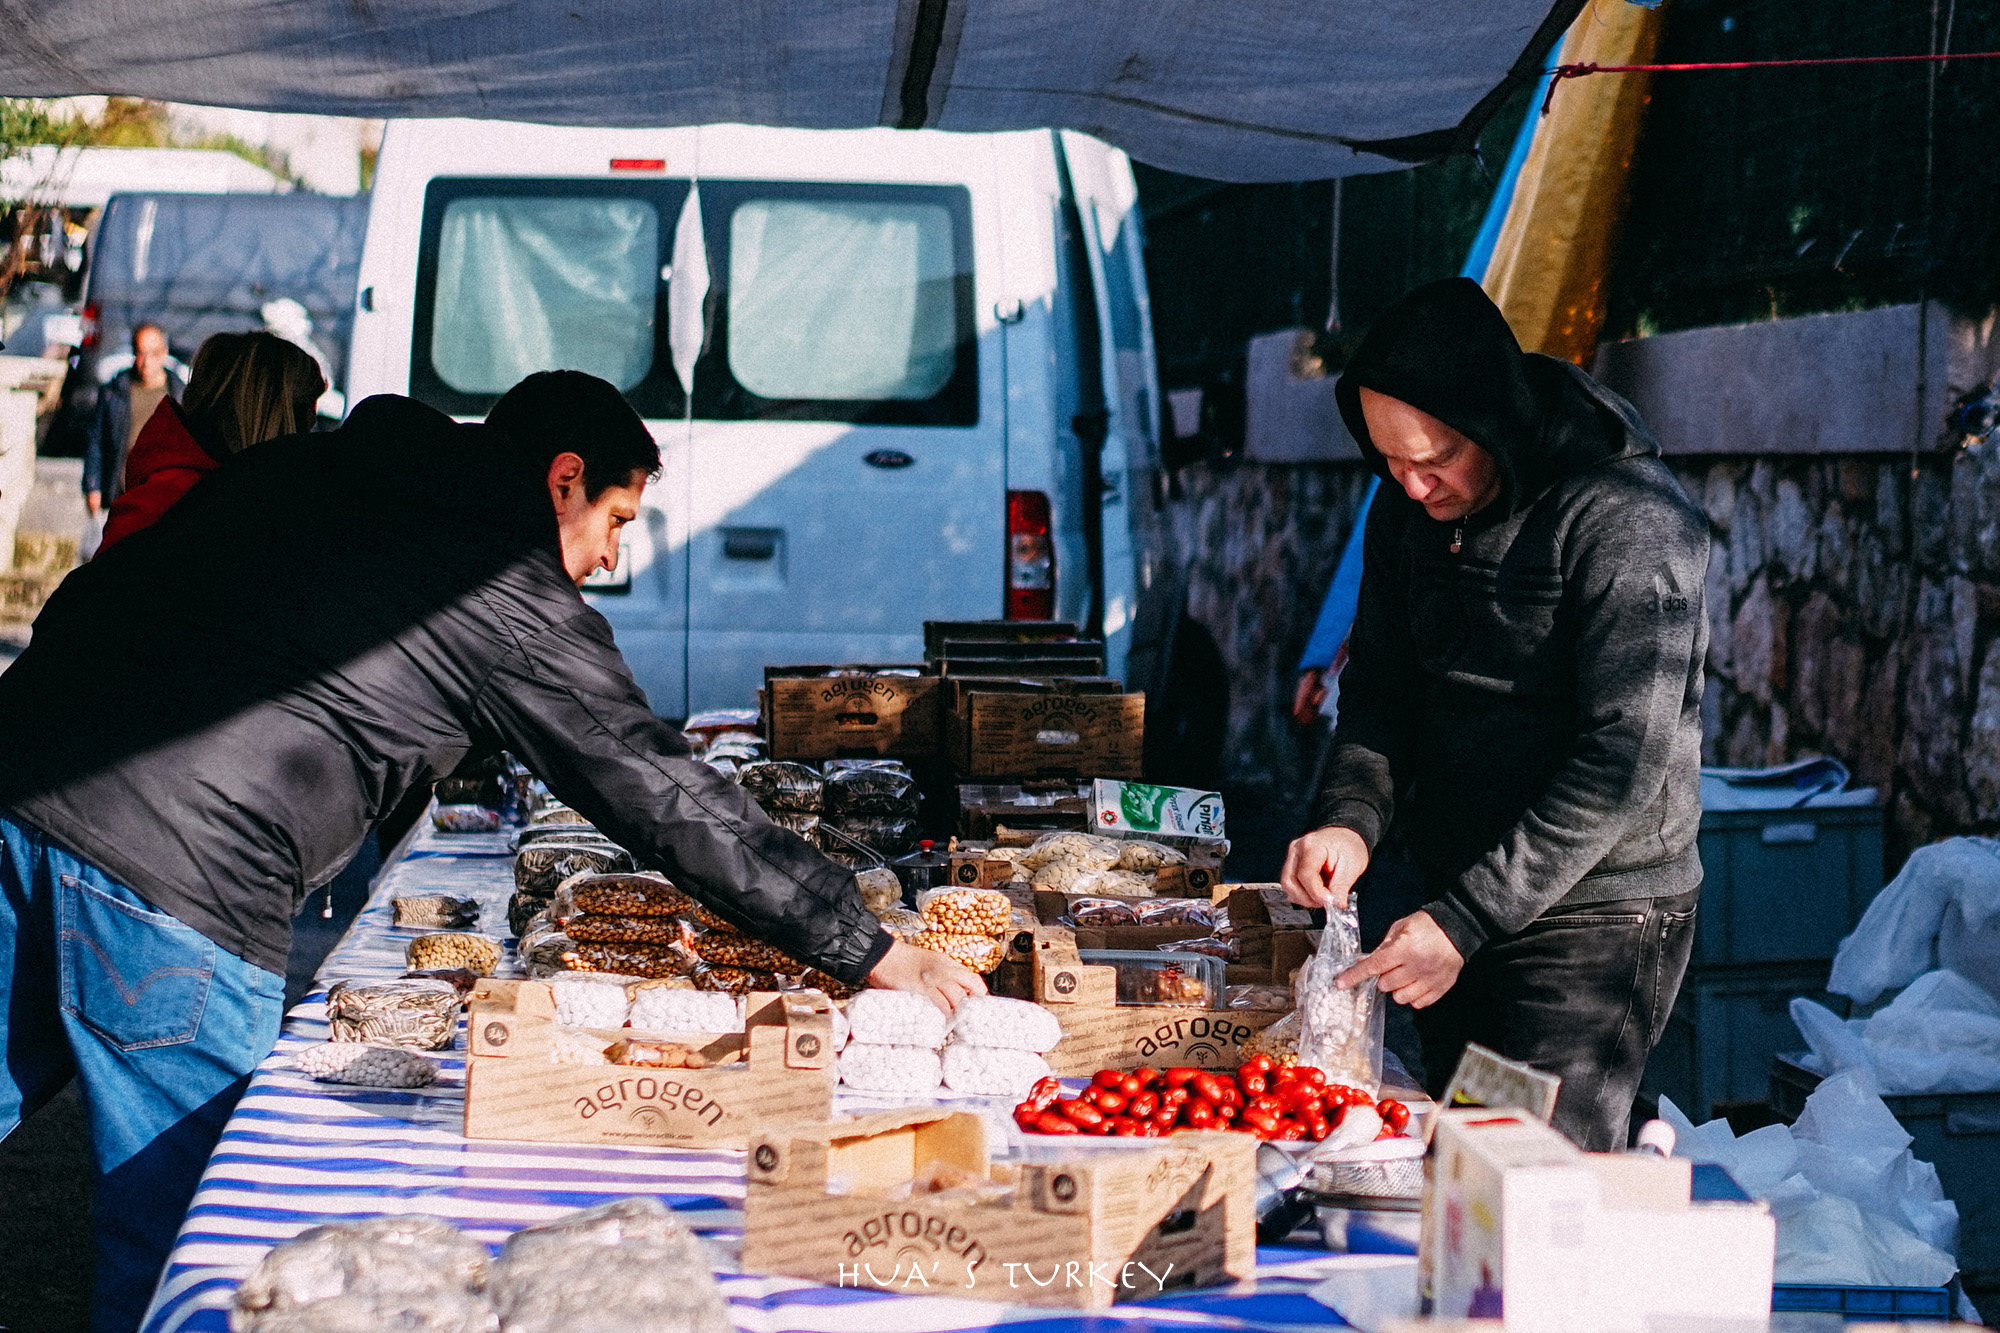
1035 729
514 1091
1082 1232
812 715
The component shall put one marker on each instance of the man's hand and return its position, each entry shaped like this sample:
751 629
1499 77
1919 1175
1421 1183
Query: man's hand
1416 962
1322 866
927 973
1311 696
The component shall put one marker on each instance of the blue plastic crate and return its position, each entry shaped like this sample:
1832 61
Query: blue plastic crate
1784 886
1871 1303
1726 1028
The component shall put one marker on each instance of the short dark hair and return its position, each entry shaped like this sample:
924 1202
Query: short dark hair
568 412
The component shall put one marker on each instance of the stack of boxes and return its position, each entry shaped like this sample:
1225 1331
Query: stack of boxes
1780 889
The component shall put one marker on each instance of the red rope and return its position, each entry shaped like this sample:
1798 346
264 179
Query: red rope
1561 72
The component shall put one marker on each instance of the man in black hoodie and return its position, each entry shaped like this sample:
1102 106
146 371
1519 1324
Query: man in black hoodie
214 714
1519 733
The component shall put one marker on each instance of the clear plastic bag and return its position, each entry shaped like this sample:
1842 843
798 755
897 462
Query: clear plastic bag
778 785
1176 912
881 891
1340 1031
416 1015
336 1277
1103 912
966 911
436 910
992 1071
635 894
873 791
992 1020
904 1070
666 1009
897 1018
624 1267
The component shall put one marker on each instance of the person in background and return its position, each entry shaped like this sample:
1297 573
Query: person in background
244 389
123 407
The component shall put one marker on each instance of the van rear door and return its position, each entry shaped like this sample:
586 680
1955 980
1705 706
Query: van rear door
846 458
519 274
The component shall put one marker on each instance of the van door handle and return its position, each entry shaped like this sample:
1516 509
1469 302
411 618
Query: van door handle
750 543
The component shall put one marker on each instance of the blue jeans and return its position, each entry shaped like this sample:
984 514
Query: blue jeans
161 1025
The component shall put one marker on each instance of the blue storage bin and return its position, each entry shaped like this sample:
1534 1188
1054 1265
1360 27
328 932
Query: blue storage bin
1784 886
1726 1028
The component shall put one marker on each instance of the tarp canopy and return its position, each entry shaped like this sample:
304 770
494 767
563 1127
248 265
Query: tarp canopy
1229 89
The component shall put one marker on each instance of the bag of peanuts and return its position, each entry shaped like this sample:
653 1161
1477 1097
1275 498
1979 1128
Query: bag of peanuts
637 893
479 953
966 911
981 953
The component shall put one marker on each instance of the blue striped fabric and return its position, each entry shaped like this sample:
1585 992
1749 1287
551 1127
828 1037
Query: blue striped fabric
299 1154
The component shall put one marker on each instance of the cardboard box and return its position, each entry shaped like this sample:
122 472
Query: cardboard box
1127 1036
1044 728
1081 1232
1518 1221
810 714
514 1091
986 809
1060 977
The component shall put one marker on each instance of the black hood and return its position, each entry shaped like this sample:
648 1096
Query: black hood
1446 350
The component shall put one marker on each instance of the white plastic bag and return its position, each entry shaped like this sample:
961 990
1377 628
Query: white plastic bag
1340 1031
1897 938
1942 1034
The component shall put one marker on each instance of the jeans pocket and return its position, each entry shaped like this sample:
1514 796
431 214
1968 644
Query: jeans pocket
136 977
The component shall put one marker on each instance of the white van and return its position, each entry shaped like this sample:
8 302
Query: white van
903 345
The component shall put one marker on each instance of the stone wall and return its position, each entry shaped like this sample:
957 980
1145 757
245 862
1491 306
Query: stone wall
1852 604
1852 609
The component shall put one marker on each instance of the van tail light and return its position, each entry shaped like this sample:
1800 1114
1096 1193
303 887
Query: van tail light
1031 557
90 314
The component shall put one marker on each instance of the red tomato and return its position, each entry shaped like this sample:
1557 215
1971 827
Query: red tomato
1253 1083
1395 1115
1048 1122
1081 1111
1261 1063
1131 1085
1108 1078
1228 1112
1312 1075
1175 1096
1264 1122
1299 1097
1025 1116
1200 1115
1284 1073
1208 1086
1121 1126
1317 1128
1109 1102
1267 1104
1043 1095
1291 1131
1178 1075
1165 1118
1232 1095
1144 1104
1100 1129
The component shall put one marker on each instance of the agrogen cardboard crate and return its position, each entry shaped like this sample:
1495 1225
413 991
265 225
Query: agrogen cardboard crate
513 1090
1101 1224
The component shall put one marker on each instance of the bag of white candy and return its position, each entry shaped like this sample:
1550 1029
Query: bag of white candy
993 1020
902 1070
896 1018
992 1071
1340 1031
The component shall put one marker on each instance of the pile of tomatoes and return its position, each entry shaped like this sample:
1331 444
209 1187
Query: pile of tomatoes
1286 1103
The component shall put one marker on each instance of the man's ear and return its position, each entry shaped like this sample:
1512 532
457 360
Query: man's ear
565 475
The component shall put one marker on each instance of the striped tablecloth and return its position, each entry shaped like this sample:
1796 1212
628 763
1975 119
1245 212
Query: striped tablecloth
298 1154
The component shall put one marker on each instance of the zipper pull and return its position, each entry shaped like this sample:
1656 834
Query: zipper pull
1457 538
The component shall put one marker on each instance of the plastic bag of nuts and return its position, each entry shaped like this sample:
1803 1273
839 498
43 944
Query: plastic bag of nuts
416 1015
367 1065
966 911
479 953
981 953
634 894
593 929
1177 912
436 910
1102 912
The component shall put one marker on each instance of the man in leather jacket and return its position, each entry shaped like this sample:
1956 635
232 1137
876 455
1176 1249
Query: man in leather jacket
215 713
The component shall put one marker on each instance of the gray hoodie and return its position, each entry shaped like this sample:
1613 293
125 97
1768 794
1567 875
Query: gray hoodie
1520 718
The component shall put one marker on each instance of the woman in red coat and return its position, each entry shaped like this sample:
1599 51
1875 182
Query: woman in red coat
244 389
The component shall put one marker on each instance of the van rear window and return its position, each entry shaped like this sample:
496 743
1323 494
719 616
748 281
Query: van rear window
839 302
526 284
517 275
829 301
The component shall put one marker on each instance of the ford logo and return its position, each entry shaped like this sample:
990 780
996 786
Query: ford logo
888 458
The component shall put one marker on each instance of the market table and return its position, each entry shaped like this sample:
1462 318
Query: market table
298 1154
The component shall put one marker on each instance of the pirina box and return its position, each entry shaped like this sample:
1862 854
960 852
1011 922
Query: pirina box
779 1068
1042 728
832 712
1095 1225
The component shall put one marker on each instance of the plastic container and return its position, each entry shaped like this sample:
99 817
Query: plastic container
1150 978
925 868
